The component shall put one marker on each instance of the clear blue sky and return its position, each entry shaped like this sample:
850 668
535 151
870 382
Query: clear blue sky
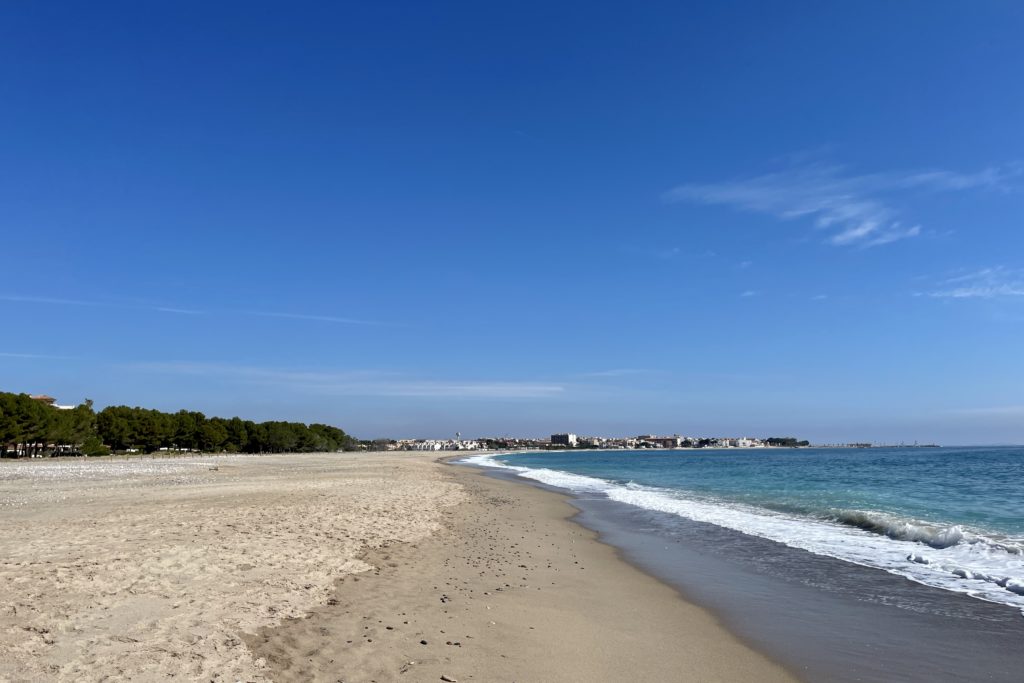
411 219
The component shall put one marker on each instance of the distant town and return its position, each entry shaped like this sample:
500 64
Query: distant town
569 441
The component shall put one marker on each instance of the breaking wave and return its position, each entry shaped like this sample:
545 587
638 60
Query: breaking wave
944 556
901 529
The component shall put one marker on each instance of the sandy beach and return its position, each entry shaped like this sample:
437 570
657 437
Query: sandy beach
368 567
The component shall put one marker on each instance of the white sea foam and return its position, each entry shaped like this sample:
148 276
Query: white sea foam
948 557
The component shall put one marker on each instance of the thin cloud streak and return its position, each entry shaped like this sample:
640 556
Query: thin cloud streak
179 311
303 316
996 411
48 300
174 310
660 253
988 283
856 210
359 383
615 372
33 356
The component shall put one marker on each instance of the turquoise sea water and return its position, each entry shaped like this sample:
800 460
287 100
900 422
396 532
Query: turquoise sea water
947 517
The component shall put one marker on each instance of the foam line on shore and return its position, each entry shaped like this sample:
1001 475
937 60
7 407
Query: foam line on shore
947 557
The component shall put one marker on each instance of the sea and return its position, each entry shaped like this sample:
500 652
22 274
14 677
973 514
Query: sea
846 564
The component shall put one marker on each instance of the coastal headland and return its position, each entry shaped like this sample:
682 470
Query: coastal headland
329 567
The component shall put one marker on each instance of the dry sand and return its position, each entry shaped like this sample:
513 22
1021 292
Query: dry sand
150 569
347 568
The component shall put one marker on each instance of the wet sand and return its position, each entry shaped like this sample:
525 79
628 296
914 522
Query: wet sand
829 620
508 590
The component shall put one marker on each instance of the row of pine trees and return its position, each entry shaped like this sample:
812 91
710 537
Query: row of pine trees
29 427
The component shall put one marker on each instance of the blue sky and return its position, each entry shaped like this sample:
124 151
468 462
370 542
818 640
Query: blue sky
411 219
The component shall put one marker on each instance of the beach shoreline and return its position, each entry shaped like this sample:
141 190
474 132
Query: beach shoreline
242 568
826 618
509 589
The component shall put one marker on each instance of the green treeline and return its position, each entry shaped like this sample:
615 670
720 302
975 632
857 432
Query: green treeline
121 428
31 427
786 441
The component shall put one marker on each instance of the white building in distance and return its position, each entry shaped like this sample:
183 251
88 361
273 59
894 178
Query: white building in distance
570 440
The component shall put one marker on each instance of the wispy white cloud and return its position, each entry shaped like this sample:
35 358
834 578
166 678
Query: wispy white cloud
177 310
988 283
748 293
48 300
497 390
615 372
303 316
666 253
994 411
856 210
819 297
998 177
33 356
661 253
358 383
